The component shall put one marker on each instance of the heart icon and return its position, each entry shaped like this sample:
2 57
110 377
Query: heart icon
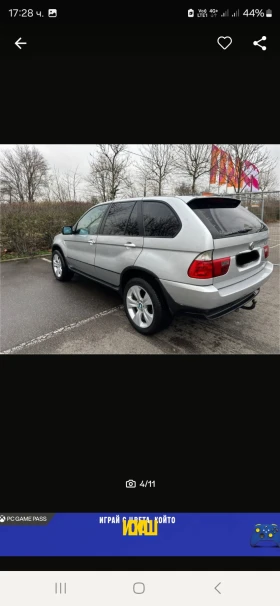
224 41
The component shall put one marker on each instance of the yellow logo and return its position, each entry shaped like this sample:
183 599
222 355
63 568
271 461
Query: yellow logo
141 527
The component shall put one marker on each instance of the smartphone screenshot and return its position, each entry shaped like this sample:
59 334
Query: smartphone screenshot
138 396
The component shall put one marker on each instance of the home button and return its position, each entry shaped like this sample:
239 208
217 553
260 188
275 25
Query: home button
138 587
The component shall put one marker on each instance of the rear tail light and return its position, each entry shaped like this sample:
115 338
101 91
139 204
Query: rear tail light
221 266
204 267
266 251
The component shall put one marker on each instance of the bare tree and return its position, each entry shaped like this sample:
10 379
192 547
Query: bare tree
108 176
130 188
184 189
193 160
268 179
23 173
158 164
66 187
143 178
6 193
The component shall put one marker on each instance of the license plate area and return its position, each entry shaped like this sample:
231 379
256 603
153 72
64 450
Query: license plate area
247 257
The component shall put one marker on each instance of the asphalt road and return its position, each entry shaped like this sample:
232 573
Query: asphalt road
42 316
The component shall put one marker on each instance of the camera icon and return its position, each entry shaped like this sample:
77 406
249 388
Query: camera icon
130 484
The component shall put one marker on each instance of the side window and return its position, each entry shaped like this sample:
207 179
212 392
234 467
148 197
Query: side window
159 221
88 225
132 228
117 218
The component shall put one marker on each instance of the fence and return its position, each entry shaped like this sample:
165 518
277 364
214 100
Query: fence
266 206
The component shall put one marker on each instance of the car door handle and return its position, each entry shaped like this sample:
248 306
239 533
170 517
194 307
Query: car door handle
130 245
91 240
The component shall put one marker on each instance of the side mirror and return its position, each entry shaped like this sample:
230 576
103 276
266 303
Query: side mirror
67 230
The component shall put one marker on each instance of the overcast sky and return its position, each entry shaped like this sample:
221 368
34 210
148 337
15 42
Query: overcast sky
67 157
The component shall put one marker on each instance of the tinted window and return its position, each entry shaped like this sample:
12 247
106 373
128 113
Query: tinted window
159 220
117 218
225 217
89 224
132 228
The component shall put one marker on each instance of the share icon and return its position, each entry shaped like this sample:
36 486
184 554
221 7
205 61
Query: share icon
256 43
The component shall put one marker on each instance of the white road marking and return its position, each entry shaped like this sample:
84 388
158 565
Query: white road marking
48 260
53 333
22 259
275 246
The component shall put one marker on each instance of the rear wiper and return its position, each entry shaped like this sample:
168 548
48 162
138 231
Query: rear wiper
240 231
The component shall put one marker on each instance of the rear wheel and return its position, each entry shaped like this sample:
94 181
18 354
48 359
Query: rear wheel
144 308
60 269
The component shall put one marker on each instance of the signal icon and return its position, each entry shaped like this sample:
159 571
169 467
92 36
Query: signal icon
236 14
226 13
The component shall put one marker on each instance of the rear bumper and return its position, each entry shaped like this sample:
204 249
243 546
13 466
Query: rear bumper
211 302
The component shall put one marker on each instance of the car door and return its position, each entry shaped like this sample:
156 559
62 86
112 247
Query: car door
81 245
120 241
162 252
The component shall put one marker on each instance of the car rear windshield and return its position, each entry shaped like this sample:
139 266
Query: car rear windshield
225 217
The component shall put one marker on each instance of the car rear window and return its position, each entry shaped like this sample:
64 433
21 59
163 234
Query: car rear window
225 217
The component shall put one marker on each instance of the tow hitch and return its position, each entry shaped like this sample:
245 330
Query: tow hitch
253 302
252 306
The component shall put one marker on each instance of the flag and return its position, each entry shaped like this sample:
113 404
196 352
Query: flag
245 184
239 179
214 164
250 177
231 178
253 172
223 168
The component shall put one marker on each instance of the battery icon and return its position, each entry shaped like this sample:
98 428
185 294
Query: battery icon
269 13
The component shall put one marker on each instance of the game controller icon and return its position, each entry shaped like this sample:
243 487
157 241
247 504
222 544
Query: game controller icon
265 535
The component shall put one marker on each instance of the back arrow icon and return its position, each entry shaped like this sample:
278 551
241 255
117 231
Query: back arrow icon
19 42
217 589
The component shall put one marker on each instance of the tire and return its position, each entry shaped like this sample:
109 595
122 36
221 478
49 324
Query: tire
59 267
154 313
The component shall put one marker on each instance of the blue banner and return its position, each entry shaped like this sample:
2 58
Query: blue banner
177 534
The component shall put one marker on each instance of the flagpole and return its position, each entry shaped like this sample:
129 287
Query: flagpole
227 171
251 191
210 167
218 172
227 161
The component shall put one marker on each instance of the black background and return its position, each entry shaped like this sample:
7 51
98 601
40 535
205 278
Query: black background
141 563
144 76
75 428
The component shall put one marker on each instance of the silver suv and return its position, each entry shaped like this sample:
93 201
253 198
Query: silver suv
204 256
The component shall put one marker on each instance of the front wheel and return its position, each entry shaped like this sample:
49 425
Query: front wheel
60 269
143 307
